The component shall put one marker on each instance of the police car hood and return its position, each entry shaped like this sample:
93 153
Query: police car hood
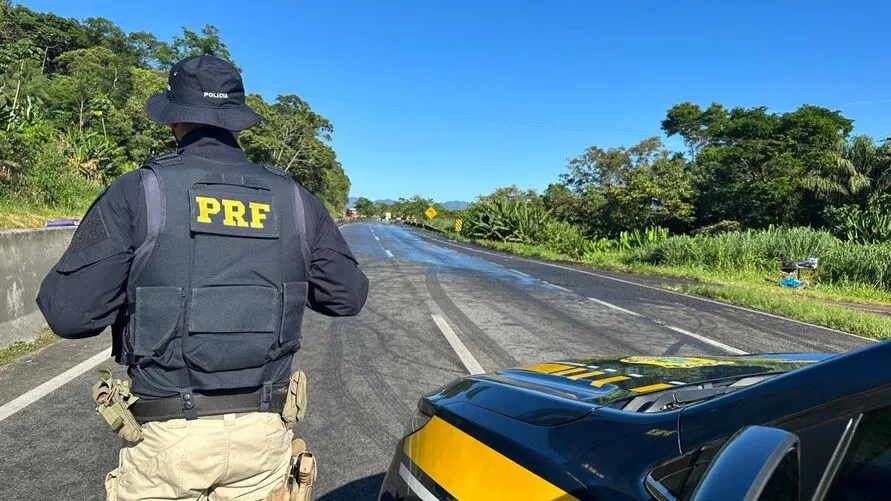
602 380
553 393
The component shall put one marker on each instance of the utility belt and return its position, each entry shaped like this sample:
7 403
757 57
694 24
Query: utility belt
125 412
207 405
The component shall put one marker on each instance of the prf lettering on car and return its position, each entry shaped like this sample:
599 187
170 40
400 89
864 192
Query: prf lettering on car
237 214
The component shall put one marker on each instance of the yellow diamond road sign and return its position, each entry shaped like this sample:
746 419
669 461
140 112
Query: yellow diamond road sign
431 212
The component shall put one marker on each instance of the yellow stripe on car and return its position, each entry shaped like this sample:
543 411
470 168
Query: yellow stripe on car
548 368
586 374
652 387
614 379
569 371
470 470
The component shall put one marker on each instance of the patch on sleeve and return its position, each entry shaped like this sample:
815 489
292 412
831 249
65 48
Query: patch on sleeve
90 231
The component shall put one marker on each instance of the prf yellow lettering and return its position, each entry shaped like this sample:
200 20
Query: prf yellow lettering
258 213
233 213
206 207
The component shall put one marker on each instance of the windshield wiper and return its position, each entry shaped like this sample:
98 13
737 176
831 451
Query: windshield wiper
686 397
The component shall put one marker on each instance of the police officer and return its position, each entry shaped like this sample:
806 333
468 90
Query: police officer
202 262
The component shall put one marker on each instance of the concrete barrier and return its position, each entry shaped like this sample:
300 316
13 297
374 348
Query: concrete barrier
26 256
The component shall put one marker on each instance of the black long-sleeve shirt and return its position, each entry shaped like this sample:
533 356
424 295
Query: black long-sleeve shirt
83 301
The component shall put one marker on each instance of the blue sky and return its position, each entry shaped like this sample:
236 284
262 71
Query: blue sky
451 99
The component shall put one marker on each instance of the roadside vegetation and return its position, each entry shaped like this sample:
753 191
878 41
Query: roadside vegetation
16 350
753 190
72 119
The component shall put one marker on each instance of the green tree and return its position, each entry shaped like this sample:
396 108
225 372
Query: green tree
86 74
366 207
206 43
624 189
751 165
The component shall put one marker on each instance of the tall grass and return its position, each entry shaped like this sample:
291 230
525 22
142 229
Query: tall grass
762 250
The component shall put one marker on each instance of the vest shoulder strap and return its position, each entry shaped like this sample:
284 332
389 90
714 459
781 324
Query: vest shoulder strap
299 214
275 170
155 216
166 160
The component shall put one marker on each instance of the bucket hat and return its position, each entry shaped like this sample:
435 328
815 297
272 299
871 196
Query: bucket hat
204 90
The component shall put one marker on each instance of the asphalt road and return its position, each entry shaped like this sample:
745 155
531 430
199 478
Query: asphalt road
367 372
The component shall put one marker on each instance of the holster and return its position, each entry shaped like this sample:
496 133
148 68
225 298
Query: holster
295 402
301 475
113 400
303 472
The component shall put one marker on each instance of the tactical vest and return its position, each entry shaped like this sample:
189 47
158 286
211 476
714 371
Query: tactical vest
217 291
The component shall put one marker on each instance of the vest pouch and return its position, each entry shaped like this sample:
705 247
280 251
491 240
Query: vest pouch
231 327
293 307
155 324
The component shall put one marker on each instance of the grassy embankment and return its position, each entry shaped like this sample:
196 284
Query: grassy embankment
15 351
838 304
14 215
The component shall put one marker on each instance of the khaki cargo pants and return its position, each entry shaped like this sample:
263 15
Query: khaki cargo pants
243 457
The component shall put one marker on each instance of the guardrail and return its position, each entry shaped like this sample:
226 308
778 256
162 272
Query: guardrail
422 226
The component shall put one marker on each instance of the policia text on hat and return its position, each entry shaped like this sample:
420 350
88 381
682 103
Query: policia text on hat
203 263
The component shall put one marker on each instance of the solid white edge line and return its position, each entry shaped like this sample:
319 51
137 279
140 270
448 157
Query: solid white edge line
415 485
389 254
669 291
40 391
617 308
710 341
463 353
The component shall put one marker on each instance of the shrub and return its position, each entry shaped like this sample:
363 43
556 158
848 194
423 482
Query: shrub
565 239
717 228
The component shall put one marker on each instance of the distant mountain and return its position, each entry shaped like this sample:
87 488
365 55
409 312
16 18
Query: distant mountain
351 201
456 205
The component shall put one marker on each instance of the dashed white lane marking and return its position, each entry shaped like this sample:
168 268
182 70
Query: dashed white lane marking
415 485
519 273
389 254
677 383
463 353
53 384
629 282
377 238
704 339
617 308
553 286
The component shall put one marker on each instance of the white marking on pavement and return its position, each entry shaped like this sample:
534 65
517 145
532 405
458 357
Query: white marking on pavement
635 375
377 238
678 383
555 286
610 370
463 353
704 339
660 289
415 485
389 254
617 308
519 272
38 392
